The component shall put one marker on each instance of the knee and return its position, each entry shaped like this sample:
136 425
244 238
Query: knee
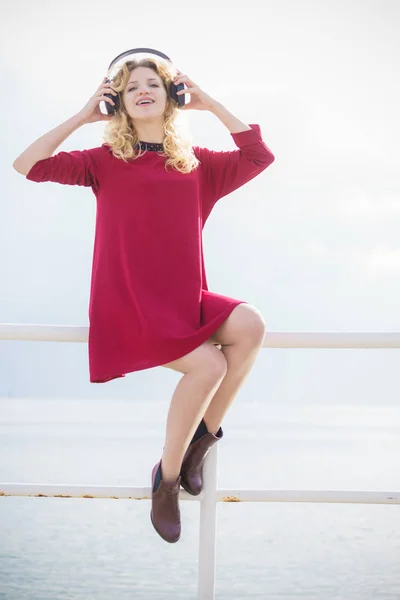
206 362
213 364
255 327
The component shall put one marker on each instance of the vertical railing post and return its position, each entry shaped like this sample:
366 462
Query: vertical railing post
208 527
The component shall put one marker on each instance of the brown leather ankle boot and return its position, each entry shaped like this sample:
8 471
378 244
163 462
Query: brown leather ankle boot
192 464
165 513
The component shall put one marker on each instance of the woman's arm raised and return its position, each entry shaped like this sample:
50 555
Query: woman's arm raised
45 146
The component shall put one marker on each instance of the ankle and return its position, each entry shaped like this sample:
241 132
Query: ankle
211 428
169 475
200 431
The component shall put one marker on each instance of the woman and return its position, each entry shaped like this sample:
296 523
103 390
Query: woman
149 303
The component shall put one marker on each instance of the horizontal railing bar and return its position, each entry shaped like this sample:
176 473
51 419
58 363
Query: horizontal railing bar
300 339
332 339
319 496
43 333
223 495
62 490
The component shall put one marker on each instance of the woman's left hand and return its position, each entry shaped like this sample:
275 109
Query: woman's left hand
199 100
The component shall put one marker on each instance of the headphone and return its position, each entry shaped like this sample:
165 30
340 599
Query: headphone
173 89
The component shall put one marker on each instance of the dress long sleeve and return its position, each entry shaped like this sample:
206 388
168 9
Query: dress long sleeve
71 168
225 171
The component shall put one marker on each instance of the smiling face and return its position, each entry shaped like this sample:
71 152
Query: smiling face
145 83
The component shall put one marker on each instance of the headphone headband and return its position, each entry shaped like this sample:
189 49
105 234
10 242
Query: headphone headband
138 51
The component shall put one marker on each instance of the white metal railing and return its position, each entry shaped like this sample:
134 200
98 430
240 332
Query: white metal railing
210 495
299 339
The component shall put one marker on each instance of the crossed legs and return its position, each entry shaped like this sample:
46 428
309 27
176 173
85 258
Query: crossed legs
211 380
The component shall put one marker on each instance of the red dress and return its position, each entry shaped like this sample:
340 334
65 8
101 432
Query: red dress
149 299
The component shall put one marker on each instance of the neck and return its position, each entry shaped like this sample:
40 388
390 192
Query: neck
149 132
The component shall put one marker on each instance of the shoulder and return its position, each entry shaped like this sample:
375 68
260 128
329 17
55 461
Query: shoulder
98 155
87 155
201 153
98 152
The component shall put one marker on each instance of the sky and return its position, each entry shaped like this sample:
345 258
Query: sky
312 242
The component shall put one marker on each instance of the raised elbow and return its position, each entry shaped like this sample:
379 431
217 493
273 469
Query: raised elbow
266 160
21 168
266 157
17 166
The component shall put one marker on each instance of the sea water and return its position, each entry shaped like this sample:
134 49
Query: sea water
99 549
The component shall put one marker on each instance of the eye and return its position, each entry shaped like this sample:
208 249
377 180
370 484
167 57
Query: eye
134 88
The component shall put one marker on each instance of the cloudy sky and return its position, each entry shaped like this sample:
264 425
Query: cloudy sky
313 241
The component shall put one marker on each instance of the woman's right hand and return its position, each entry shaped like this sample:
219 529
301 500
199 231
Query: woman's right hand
91 112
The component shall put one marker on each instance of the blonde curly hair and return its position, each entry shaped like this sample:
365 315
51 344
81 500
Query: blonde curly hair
120 134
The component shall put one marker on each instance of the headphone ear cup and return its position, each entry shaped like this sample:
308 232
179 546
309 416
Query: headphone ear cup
180 100
111 110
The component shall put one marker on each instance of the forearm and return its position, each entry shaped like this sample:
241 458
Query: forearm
45 146
228 119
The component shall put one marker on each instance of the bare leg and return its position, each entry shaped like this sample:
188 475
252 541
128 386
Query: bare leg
240 360
241 338
203 369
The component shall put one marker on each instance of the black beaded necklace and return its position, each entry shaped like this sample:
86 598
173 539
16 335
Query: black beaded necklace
152 147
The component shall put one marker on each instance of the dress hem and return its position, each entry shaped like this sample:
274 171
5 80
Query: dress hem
206 331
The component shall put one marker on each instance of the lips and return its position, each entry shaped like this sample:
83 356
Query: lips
145 102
